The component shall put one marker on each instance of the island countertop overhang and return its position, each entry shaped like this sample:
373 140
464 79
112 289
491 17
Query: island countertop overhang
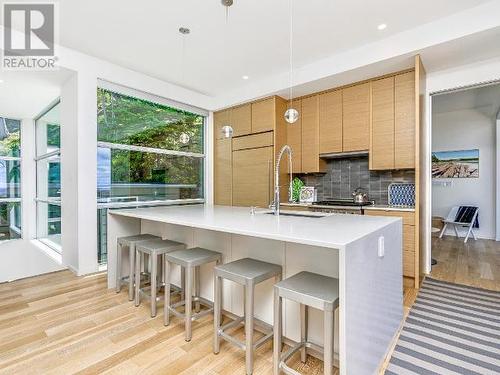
331 231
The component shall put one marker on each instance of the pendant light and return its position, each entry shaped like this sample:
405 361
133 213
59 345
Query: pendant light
227 130
291 114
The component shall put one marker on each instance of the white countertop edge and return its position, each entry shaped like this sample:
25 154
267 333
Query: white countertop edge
271 236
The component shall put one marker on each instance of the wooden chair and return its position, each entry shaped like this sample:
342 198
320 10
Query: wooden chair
462 216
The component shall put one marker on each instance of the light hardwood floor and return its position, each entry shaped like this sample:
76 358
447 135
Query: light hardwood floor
62 324
476 263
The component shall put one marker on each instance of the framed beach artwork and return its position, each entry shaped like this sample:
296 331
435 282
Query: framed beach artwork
455 164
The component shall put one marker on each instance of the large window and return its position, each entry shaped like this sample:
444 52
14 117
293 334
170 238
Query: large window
10 178
48 177
148 153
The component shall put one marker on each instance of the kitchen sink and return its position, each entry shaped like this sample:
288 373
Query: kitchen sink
299 214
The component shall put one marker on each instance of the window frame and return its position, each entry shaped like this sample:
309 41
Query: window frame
141 95
12 226
40 158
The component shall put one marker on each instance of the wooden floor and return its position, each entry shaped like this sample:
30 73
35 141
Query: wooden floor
62 324
476 263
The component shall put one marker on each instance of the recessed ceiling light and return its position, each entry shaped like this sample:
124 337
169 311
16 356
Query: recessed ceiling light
382 26
245 77
1 80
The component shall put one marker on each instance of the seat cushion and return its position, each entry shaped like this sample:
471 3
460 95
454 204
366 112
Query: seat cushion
248 270
312 289
193 257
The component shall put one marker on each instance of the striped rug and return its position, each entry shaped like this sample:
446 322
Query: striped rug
451 329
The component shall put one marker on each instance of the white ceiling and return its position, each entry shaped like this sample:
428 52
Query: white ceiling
484 99
25 94
144 36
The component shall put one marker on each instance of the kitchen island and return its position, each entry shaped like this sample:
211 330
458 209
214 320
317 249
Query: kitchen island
363 252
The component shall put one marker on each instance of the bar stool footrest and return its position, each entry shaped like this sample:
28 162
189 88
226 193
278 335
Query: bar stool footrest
196 315
238 343
294 349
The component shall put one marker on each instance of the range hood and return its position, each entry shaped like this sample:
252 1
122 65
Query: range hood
343 155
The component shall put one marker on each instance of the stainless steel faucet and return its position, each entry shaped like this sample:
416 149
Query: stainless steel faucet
275 206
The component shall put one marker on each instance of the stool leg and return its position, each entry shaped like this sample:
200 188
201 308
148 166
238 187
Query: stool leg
154 275
183 284
249 289
138 257
197 287
303 330
131 277
166 311
277 333
328 348
217 312
188 301
118 268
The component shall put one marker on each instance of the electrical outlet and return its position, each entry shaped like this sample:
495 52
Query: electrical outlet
381 247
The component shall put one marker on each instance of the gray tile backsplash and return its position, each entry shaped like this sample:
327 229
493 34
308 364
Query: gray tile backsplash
343 176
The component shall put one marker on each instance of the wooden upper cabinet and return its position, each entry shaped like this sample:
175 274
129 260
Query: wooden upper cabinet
311 163
404 128
223 172
241 119
263 115
294 137
221 119
356 117
330 122
382 126
252 176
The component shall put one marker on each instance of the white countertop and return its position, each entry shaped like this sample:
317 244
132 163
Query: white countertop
332 230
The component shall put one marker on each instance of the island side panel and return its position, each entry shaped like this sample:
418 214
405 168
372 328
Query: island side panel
371 299
119 226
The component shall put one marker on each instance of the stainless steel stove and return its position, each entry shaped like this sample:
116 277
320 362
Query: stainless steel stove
341 206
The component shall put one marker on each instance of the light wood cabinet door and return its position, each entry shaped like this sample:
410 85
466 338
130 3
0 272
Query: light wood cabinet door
252 174
330 122
382 126
294 137
404 127
241 120
311 163
356 118
221 119
263 115
223 172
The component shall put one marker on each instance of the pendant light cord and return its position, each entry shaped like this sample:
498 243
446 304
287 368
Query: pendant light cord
291 54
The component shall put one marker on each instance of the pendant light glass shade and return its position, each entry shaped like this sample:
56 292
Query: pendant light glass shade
291 115
227 131
184 138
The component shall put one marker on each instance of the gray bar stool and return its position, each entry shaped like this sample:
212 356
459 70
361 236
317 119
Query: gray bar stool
247 272
128 242
309 290
154 248
190 260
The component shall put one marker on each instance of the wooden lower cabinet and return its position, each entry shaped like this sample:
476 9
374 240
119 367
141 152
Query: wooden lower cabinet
410 253
252 176
223 172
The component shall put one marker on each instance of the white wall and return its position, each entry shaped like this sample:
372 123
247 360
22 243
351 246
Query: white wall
497 187
465 130
25 257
